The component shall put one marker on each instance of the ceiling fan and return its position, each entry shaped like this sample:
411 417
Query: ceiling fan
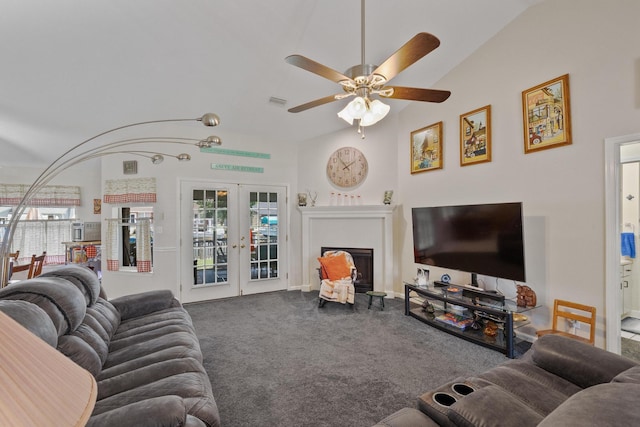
363 81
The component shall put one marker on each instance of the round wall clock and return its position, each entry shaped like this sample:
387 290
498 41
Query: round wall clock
347 167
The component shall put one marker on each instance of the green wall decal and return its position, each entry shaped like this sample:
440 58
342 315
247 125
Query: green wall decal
229 152
237 168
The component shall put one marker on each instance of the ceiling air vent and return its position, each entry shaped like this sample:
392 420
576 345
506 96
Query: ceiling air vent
277 101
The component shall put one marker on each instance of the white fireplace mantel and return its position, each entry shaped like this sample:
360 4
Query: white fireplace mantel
348 226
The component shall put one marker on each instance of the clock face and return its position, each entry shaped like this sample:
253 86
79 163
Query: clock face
347 167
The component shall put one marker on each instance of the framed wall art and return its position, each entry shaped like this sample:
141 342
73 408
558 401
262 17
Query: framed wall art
426 148
97 206
475 136
546 115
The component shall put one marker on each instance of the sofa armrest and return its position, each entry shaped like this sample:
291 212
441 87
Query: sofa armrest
575 361
141 304
407 417
163 411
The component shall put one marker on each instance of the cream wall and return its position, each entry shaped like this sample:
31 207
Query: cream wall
378 146
83 175
280 169
596 43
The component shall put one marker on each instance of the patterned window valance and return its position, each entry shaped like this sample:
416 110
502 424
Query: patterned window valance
134 190
49 195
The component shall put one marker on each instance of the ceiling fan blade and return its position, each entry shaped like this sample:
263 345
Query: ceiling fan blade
315 103
316 68
417 94
410 52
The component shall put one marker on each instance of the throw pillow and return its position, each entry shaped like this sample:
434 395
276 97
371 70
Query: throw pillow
335 267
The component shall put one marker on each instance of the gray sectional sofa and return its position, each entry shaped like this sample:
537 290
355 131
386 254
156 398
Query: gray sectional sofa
142 349
558 382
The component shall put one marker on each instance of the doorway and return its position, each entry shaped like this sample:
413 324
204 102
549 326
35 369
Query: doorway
613 227
233 240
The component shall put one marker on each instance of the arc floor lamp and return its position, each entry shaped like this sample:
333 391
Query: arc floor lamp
92 148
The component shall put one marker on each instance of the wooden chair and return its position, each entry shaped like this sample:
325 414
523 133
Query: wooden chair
22 267
37 262
586 314
34 267
15 255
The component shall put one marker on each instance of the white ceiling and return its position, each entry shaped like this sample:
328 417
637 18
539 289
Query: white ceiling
73 68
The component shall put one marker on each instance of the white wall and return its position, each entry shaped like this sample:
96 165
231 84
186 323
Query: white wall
562 188
280 169
378 146
83 175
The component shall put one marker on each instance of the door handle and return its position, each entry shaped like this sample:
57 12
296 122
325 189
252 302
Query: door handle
242 246
234 246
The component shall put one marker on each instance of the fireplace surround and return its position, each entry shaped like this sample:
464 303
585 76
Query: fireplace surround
348 227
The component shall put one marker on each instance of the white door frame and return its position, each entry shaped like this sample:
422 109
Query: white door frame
284 231
612 190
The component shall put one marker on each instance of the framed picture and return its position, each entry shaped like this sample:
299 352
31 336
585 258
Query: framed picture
97 206
475 136
546 115
426 148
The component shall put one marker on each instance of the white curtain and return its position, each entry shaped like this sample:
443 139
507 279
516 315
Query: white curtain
49 195
29 238
143 245
35 237
112 244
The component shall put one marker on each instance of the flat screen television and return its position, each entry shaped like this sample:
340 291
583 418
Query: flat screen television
484 239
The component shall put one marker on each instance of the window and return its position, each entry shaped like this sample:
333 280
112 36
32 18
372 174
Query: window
40 229
127 245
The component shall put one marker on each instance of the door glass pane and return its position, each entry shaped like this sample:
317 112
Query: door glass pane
263 211
209 237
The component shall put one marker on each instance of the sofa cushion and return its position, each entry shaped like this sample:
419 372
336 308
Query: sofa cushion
146 375
33 318
144 348
193 387
631 375
149 359
106 314
603 405
78 350
580 363
83 278
58 297
491 406
407 417
540 390
167 411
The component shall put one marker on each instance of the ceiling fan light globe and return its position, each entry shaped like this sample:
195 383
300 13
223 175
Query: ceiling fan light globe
344 115
376 112
357 108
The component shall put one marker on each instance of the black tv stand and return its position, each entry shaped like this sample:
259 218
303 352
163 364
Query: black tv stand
434 306
473 292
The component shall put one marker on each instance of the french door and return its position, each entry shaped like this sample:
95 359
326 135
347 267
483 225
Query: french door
233 240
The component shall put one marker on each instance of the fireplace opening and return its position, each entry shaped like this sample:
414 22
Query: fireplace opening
363 259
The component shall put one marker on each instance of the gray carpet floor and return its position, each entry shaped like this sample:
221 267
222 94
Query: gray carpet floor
277 359
630 349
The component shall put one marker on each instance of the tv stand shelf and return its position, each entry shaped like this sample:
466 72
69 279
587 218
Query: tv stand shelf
452 309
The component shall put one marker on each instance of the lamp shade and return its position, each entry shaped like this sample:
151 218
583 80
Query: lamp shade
39 386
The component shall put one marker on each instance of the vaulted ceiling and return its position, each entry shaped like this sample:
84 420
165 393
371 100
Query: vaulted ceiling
72 68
